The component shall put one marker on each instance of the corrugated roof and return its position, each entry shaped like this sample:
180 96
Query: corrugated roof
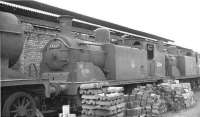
48 10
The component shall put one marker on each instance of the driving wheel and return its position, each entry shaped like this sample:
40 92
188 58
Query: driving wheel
19 104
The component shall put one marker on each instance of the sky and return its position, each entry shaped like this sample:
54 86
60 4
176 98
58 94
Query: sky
178 20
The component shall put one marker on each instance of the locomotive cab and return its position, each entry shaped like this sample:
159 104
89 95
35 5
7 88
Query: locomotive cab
156 59
185 62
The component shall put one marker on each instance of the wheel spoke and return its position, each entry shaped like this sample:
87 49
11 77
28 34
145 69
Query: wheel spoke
23 101
27 103
18 103
15 106
14 111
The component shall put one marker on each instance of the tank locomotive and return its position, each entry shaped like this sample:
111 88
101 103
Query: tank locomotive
68 62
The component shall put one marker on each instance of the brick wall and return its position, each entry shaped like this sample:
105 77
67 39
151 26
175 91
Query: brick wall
35 40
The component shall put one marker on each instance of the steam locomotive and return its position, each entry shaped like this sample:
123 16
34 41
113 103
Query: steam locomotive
68 62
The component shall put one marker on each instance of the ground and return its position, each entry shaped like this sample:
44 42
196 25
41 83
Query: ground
192 112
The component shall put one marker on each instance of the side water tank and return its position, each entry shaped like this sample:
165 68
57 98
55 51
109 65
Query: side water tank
11 37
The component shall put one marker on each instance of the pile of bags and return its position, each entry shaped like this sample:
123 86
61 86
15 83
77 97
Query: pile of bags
144 102
100 100
152 101
178 96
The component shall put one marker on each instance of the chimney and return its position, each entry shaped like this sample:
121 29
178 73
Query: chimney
66 25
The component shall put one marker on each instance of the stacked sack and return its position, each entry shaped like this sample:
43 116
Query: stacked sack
100 100
188 95
144 102
178 96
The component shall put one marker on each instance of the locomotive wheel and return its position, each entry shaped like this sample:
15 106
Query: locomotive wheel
19 104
